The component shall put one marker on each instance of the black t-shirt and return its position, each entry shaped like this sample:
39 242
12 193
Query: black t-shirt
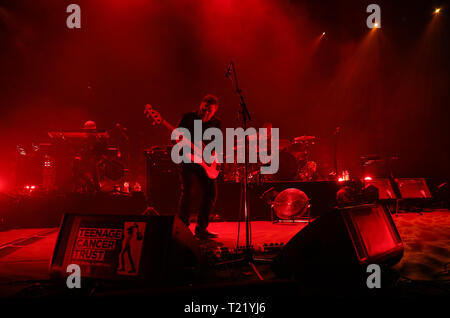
188 122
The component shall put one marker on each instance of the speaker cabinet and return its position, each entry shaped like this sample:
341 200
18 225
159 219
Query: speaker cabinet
338 246
162 181
413 188
384 187
124 248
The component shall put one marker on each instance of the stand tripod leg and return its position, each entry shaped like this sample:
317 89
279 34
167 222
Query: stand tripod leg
255 270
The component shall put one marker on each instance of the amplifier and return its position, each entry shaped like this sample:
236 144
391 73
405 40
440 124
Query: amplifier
384 186
413 188
162 180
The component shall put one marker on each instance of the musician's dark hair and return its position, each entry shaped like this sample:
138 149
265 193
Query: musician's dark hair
210 99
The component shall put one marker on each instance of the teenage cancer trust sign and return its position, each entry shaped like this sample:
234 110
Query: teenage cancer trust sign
111 249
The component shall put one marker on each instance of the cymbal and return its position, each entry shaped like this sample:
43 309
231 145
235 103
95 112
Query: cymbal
282 145
304 138
371 157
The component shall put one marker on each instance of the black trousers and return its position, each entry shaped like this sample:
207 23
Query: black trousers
193 178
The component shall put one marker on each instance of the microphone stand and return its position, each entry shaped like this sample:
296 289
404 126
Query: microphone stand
245 117
336 134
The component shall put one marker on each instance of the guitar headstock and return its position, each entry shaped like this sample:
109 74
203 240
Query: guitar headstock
151 113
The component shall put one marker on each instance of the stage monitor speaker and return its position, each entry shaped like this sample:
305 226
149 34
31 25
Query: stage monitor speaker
384 187
124 248
413 188
337 247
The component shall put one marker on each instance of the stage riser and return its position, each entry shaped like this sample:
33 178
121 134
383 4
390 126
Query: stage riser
163 192
322 195
47 211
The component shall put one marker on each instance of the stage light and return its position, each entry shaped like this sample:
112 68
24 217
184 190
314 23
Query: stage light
340 179
437 10
30 188
323 33
368 178
21 150
375 25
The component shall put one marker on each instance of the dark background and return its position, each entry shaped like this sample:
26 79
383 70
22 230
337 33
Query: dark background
386 88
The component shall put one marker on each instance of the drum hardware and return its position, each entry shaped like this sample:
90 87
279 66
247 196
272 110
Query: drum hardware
235 172
308 171
294 161
288 167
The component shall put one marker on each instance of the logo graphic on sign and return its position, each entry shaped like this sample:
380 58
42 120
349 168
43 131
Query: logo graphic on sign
130 254
112 248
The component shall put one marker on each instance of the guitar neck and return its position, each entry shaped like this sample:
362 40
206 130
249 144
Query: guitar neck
168 125
172 128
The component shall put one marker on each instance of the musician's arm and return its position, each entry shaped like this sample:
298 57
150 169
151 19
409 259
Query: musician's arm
181 124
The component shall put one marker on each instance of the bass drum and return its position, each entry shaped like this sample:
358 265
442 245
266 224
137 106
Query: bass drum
112 170
287 170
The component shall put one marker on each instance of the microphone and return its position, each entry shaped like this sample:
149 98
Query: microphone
337 130
228 70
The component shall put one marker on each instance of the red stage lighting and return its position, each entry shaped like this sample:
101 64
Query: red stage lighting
368 178
30 188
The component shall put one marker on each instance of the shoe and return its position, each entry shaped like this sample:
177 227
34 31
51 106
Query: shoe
205 234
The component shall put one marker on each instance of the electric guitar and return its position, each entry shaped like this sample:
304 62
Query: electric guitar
212 170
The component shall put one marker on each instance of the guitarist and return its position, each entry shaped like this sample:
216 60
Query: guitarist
193 174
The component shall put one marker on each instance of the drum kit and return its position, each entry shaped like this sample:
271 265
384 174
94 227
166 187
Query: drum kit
294 163
83 160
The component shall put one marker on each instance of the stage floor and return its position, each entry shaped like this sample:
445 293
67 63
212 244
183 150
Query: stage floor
25 253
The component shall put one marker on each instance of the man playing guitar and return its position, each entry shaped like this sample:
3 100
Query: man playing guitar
192 173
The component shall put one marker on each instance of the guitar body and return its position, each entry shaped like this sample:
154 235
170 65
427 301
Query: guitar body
212 170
